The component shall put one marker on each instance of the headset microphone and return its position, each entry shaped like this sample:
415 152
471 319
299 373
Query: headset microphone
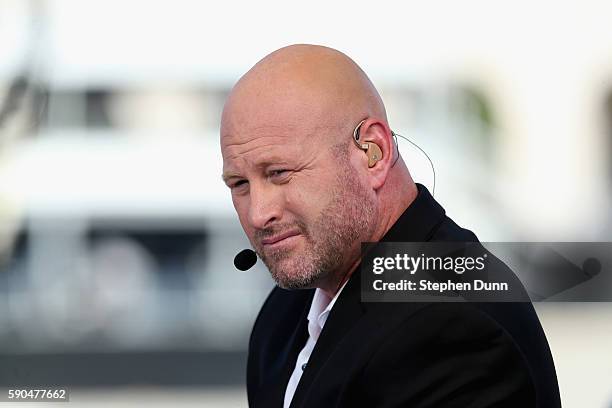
245 259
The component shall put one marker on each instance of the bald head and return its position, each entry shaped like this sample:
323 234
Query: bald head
305 85
305 194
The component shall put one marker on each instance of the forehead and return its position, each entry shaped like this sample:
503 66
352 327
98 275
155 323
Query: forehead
265 145
257 127
236 139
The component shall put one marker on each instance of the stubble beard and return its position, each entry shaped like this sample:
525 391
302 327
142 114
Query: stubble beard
348 218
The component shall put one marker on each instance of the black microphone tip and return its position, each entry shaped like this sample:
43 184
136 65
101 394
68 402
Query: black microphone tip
245 259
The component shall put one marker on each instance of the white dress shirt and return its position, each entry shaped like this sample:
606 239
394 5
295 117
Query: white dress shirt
317 316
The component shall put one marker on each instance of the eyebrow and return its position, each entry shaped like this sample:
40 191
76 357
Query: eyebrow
228 175
269 161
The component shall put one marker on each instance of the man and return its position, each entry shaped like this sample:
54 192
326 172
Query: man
314 171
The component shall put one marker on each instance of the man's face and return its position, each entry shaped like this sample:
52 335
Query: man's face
299 200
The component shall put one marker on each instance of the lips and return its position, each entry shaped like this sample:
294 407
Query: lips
279 237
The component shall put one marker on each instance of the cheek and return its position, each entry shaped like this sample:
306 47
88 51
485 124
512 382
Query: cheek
307 199
241 206
358 167
299 203
297 197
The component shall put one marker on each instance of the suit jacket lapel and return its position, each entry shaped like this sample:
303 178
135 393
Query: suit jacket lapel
347 311
272 392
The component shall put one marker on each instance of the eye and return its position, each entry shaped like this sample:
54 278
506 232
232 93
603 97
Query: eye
279 176
238 184
276 173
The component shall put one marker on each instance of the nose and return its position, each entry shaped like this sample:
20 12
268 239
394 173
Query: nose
265 206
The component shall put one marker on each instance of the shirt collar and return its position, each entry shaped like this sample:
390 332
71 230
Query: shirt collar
319 311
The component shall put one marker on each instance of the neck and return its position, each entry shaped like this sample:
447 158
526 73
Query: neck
398 192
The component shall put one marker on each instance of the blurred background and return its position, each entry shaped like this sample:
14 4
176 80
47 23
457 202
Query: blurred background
117 234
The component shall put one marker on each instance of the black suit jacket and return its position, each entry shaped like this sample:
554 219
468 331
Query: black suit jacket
403 354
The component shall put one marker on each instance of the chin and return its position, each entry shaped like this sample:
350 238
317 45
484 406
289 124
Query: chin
295 280
292 286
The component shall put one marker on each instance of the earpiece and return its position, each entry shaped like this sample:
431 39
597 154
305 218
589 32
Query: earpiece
372 150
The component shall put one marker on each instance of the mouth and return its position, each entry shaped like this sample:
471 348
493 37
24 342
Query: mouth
279 239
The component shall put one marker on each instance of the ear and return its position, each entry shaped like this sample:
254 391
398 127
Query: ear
379 135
